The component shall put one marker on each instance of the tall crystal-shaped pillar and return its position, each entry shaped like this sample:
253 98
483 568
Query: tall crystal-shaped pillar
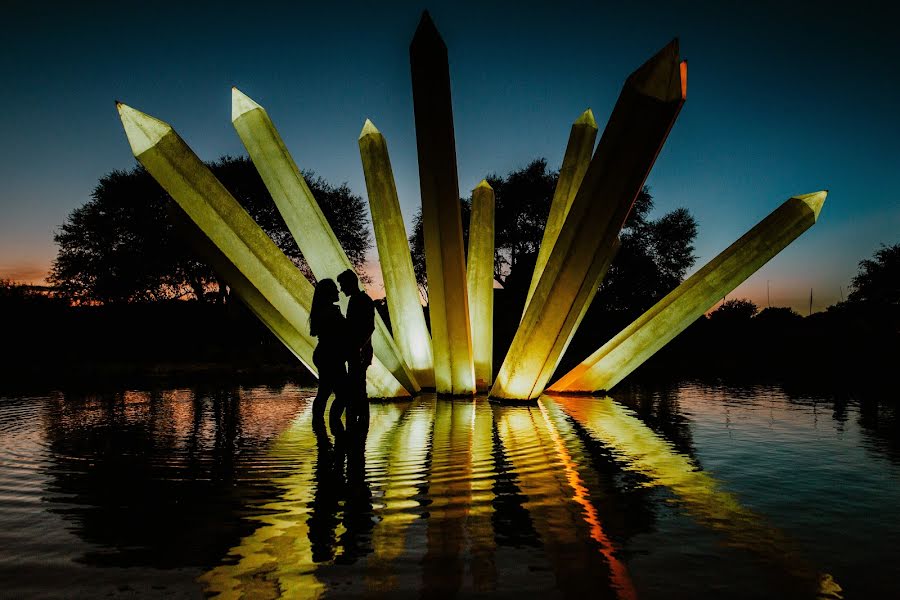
640 122
441 220
575 163
400 287
480 278
698 293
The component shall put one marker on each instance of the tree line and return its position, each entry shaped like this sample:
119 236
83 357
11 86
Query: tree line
124 244
123 270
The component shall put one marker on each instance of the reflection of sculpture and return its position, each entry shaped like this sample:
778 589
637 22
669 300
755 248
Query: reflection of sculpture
592 201
641 450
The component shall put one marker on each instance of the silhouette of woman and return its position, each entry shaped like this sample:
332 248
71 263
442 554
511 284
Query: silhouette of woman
327 323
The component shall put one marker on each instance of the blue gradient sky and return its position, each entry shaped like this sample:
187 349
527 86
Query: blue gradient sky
781 100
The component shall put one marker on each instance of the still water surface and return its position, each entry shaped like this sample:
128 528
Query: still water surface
690 491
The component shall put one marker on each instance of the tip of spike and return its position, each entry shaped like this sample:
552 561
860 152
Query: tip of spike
485 185
587 118
427 32
368 129
814 201
426 19
142 130
241 104
664 76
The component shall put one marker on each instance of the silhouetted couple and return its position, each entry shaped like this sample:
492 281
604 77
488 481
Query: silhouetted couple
344 351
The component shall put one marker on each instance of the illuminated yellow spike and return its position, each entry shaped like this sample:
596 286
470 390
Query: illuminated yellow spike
639 449
445 261
400 287
670 316
644 113
304 218
480 280
241 241
575 163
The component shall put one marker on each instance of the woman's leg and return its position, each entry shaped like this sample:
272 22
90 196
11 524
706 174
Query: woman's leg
338 376
321 400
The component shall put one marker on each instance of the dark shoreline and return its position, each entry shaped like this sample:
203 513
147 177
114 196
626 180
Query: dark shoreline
111 377
847 350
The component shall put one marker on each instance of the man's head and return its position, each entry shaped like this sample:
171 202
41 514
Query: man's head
348 282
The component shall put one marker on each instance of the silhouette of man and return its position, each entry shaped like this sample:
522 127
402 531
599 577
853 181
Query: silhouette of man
360 327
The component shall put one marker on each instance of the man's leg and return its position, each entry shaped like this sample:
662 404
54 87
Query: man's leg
358 407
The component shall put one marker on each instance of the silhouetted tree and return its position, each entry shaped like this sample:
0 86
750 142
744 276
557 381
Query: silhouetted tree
878 278
734 311
777 316
653 258
123 245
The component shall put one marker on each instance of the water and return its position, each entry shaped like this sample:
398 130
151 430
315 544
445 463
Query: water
689 491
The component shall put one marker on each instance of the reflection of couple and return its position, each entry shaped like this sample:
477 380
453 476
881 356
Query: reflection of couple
344 351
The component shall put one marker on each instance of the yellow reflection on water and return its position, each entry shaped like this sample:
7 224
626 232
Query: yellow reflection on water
421 455
418 514
639 449
403 475
459 537
620 578
276 559
547 473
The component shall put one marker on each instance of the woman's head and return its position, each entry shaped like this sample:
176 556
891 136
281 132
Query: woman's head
324 297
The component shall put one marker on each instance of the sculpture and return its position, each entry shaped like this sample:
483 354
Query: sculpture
591 202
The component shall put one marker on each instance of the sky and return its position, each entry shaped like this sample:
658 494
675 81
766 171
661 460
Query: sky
783 99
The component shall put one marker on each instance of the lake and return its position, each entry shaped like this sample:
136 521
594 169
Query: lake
685 490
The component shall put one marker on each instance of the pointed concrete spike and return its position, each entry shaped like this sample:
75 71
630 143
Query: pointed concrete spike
631 347
587 118
368 129
586 242
814 201
426 26
480 283
241 104
142 130
575 163
661 76
427 34
404 302
445 253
